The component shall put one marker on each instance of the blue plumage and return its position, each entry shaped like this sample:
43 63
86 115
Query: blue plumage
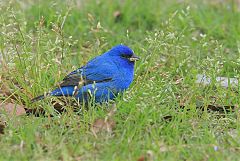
103 77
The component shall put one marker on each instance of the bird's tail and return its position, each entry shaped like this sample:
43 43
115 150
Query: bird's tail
38 98
64 91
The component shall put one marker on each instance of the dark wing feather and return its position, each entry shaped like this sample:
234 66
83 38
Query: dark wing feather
75 79
72 80
100 69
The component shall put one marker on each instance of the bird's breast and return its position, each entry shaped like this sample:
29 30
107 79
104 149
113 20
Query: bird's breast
124 74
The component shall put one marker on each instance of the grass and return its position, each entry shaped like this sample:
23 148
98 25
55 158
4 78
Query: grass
41 41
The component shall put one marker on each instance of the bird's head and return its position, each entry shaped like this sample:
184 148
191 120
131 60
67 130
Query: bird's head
124 52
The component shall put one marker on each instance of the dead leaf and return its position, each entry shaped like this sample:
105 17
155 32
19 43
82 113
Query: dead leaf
12 109
221 108
163 148
35 111
147 157
78 158
9 88
101 125
212 106
107 124
168 118
178 81
4 90
2 127
3 123
117 16
142 158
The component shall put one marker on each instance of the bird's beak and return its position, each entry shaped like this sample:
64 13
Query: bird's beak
134 58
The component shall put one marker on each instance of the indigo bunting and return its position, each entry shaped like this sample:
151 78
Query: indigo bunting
102 78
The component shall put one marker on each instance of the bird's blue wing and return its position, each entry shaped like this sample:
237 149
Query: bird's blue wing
95 73
100 69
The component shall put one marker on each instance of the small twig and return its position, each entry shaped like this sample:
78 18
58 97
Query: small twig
20 60
23 41
12 94
62 33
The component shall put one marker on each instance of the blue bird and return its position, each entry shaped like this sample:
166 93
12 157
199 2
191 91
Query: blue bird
101 79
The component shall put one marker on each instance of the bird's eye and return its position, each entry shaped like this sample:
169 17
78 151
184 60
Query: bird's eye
125 56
